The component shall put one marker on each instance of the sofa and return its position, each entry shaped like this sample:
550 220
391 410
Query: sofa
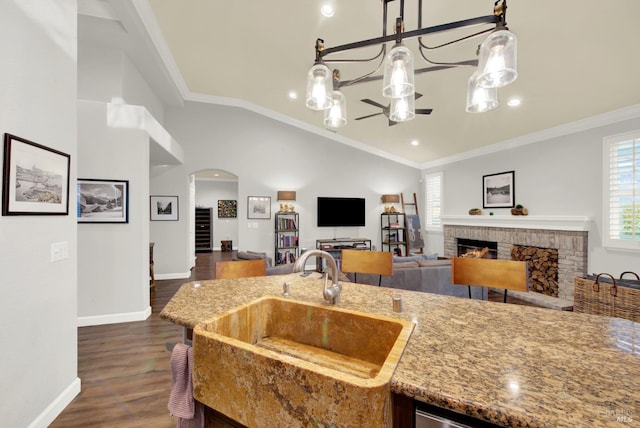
254 255
422 273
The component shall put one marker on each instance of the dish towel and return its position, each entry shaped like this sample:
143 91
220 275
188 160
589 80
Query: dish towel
181 403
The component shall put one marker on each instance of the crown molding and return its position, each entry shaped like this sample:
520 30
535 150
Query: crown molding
626 113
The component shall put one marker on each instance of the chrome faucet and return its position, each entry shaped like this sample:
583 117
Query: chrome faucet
331 293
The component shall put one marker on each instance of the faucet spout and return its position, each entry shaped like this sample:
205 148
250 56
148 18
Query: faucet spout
330 293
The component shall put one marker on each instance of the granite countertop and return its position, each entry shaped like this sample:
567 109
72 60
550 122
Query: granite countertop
511 365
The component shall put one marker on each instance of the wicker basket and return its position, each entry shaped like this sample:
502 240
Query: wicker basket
595 296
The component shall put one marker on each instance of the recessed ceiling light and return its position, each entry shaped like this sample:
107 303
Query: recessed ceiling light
293 95
415 142
327 10
514 102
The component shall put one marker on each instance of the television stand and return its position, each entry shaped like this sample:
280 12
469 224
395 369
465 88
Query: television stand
336 245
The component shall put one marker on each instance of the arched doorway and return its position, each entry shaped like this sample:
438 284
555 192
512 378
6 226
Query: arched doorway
212 188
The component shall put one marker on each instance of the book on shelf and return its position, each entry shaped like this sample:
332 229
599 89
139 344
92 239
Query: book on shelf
285 257
288 241
287 224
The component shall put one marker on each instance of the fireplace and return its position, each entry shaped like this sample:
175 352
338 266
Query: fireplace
570 246
469 247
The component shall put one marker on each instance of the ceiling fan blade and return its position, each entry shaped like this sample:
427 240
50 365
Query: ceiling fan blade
424 110
368 116
373 103
417 95
391 122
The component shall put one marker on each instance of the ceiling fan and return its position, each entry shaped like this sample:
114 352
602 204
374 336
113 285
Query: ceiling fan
385 110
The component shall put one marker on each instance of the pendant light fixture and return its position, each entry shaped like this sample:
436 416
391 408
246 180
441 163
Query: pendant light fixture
403 109
498 60
336 115
319 82
479 99
496 67
319 87
398 78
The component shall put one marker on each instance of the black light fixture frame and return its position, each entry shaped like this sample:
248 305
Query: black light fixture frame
498 18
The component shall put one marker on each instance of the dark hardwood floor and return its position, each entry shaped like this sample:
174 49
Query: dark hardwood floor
125 368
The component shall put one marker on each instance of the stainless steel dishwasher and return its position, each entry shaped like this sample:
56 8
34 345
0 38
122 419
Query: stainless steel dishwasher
428 420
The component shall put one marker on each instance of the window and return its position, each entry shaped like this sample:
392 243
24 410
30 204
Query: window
433 198
622 191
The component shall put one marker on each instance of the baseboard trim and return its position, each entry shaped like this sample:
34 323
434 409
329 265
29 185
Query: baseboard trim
114 318
56 407
177 275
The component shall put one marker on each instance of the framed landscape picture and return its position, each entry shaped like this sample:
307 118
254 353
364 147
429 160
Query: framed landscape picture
164 208
227 208
259 207
35 179
102 201
498 190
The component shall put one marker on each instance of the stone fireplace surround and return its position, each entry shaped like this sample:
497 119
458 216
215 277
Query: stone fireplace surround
569 235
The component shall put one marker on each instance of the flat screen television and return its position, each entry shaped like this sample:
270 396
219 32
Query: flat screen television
335 212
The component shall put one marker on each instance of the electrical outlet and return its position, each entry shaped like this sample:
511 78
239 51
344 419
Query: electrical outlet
59 251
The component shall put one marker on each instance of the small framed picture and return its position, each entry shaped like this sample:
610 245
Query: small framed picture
498 190
164 208
102 201
259 207
35 179
227 208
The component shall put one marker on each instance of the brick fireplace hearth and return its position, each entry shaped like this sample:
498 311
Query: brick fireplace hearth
569 236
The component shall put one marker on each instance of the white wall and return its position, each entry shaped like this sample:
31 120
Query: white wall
106 73
173 253
559 176
38 307
268 156
208 193
113 259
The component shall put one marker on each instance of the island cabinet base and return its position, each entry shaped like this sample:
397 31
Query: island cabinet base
403 415
404 411
215 419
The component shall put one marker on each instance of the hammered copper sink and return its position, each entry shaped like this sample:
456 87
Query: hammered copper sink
298 363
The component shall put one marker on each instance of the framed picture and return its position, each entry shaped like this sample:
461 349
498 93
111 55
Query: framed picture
498 190
103 201
227 209
259 207
164 208
35 179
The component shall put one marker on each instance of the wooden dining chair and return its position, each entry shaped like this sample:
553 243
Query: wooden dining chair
505 274
373 262
240 268
229 269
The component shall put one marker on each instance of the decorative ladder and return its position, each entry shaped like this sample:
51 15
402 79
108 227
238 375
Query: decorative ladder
412 223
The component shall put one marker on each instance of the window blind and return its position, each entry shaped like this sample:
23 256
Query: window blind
622 165
433 198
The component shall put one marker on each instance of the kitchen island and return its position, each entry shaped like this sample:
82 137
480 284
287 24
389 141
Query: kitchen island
506 364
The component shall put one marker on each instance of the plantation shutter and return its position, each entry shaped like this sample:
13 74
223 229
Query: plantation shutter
622 157
433 198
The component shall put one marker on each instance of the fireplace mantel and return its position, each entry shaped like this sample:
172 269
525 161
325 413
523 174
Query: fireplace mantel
570 223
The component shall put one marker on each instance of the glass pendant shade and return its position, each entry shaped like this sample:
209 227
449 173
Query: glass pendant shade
398 73
319 86
403 109
479 99
336 115
497 66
